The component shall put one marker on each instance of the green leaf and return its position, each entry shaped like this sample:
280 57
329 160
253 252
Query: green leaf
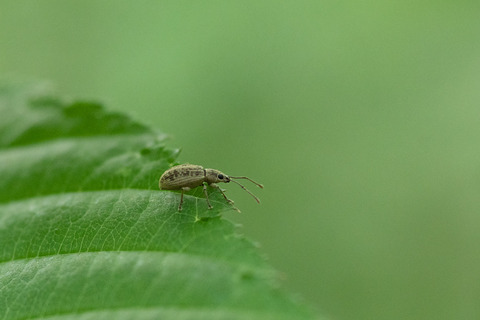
85 233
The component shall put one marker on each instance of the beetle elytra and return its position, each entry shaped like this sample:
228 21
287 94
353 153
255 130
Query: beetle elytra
187 176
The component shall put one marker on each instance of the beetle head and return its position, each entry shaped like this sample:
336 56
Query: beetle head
214 176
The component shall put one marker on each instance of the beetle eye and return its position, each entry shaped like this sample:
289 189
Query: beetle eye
220 176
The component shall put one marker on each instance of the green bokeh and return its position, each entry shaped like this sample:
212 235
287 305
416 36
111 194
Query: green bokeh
362 120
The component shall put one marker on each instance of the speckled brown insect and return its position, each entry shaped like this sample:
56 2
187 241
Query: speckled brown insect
187 176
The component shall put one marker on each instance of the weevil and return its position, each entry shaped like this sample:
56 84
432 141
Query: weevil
187 176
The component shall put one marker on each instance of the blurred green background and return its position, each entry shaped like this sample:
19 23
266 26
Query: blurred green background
361 118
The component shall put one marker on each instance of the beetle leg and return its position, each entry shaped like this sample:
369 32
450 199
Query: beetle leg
181 198
206 196
181 202
223 193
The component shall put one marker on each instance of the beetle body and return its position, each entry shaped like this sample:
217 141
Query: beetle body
191 176
187 176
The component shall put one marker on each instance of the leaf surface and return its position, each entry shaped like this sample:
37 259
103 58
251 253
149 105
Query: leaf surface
85 233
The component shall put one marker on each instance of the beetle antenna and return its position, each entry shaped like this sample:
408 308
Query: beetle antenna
258 200
258 184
